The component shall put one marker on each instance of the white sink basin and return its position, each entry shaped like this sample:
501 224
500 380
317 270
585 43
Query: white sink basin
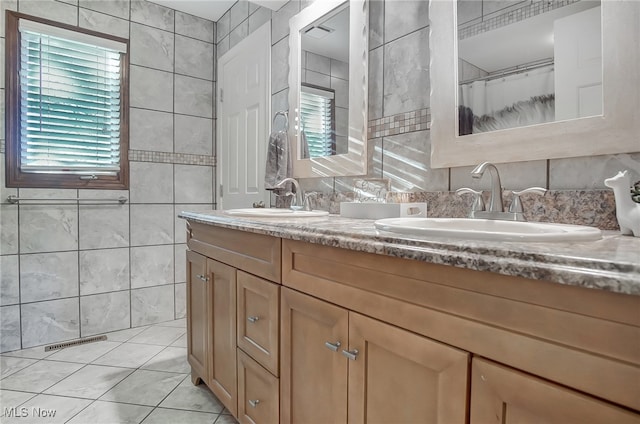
274 213
484 229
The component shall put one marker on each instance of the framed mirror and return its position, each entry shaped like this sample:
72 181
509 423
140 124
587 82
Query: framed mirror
328 86
537 80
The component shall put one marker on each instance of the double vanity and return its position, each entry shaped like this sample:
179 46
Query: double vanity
328 319
295 318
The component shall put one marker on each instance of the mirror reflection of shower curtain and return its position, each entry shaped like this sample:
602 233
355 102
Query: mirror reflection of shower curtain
497 97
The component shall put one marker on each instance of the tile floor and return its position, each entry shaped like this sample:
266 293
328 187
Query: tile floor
138 375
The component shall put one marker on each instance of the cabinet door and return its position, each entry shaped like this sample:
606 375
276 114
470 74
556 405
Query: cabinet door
401 377
502 395
223 367
258 393
258 320
197 316
313 378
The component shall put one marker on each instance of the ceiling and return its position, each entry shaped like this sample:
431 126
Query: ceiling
213 9
336 44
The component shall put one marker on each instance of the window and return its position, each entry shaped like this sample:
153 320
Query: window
317 116
67 106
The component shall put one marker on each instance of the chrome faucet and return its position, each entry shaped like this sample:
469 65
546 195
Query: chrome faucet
496 208
495 201
298 201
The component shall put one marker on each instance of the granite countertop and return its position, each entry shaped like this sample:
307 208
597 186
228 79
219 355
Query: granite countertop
611 264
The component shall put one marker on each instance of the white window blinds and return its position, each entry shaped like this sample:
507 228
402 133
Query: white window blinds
70 101
317 118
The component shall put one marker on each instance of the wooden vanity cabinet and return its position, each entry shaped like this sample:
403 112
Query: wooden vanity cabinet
198 317
340 366
258 350
374 338
313 377
233 318
211 326
582 339
500 395
258 320
222 378
258 392
401 377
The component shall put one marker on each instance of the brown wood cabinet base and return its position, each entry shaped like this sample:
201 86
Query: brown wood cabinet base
318 334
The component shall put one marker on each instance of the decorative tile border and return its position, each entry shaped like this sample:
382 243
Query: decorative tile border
401 123
535 8
167 157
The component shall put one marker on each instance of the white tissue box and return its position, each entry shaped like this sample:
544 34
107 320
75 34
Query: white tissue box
373 210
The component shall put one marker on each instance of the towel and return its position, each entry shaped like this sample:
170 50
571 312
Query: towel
304 144
279 164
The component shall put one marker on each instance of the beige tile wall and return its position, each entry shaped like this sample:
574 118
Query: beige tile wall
73 269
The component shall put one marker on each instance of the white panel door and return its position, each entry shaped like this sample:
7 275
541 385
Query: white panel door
578 65
244 75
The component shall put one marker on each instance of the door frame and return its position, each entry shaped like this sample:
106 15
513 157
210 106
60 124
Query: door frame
261 36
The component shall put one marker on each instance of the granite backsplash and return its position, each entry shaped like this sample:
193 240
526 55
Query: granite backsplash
594 208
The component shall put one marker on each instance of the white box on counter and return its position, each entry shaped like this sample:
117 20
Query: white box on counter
374 210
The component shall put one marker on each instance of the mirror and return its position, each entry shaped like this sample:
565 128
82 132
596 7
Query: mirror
528 64
328 89
572 110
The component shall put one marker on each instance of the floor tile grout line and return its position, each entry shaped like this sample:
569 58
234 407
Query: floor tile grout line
50 359
22 403
18 370
169 394
80 411
91 362
216 415
142 327
151 359
153 408
128 340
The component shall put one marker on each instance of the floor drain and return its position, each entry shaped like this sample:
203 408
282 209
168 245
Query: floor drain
75 343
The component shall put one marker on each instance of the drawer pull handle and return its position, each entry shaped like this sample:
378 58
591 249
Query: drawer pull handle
351 354
253 319
254 403
332 346
202 277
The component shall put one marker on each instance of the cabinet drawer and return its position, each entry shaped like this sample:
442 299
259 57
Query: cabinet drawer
258 392
257 254
502 395
258 320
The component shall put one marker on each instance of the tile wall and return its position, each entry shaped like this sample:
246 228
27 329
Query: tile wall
132 255
71 269
399 90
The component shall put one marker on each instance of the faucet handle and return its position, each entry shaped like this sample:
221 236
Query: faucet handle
516 203
478 201
307 201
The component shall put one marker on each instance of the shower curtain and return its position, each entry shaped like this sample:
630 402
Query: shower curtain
525 98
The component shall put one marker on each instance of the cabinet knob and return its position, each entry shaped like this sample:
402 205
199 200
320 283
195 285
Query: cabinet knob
202 277
351 354
254 403
253 319
332 346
